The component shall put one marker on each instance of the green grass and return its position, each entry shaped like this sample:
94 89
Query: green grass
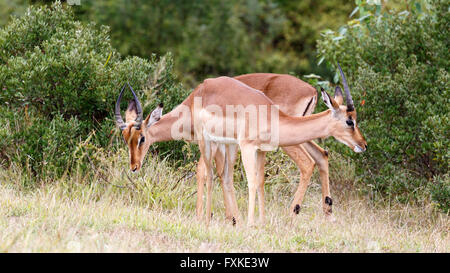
154 212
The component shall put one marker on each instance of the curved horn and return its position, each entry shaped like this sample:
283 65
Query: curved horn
118 116
348 97
139 113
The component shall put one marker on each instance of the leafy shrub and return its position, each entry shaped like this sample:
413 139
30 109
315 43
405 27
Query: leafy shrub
397 65
57 65
66 76
162 86
440 191
213 37
43 147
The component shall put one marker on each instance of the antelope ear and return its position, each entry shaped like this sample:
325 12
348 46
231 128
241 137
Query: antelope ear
131 113
154 116
331 103
338 97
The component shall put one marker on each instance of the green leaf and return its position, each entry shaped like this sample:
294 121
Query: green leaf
353 12
312 76
321 60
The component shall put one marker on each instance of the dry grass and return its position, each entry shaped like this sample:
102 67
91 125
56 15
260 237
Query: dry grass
158 216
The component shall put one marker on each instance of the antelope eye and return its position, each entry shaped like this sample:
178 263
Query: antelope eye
142 140
350 122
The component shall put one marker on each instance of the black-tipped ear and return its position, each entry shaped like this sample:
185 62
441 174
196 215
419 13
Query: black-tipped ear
161 105
338 97
330 102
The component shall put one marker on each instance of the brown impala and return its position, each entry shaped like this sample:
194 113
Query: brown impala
294 97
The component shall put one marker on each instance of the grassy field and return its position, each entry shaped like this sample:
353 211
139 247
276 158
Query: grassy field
154 212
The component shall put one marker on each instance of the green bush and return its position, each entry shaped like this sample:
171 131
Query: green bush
440 191
57 65
214 37
397 64
66 76
43 147
162 86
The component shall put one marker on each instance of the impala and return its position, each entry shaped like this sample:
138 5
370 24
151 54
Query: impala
293 96
339 121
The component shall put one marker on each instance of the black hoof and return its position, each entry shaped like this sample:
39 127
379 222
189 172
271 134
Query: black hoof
328 201
297 209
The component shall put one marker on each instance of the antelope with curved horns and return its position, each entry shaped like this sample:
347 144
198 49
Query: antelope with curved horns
132 132
294 96
339 121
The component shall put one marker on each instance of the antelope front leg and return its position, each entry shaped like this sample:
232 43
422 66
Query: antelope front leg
306 166
320 156
222 168
249 155
260 162
201 177
208 195
230 198
208 152
228 187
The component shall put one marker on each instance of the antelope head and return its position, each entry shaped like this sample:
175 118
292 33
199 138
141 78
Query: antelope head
135 129
344 126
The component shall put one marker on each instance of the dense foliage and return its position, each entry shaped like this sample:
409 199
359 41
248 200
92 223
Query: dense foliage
398 65
214 37
59 80
60 76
